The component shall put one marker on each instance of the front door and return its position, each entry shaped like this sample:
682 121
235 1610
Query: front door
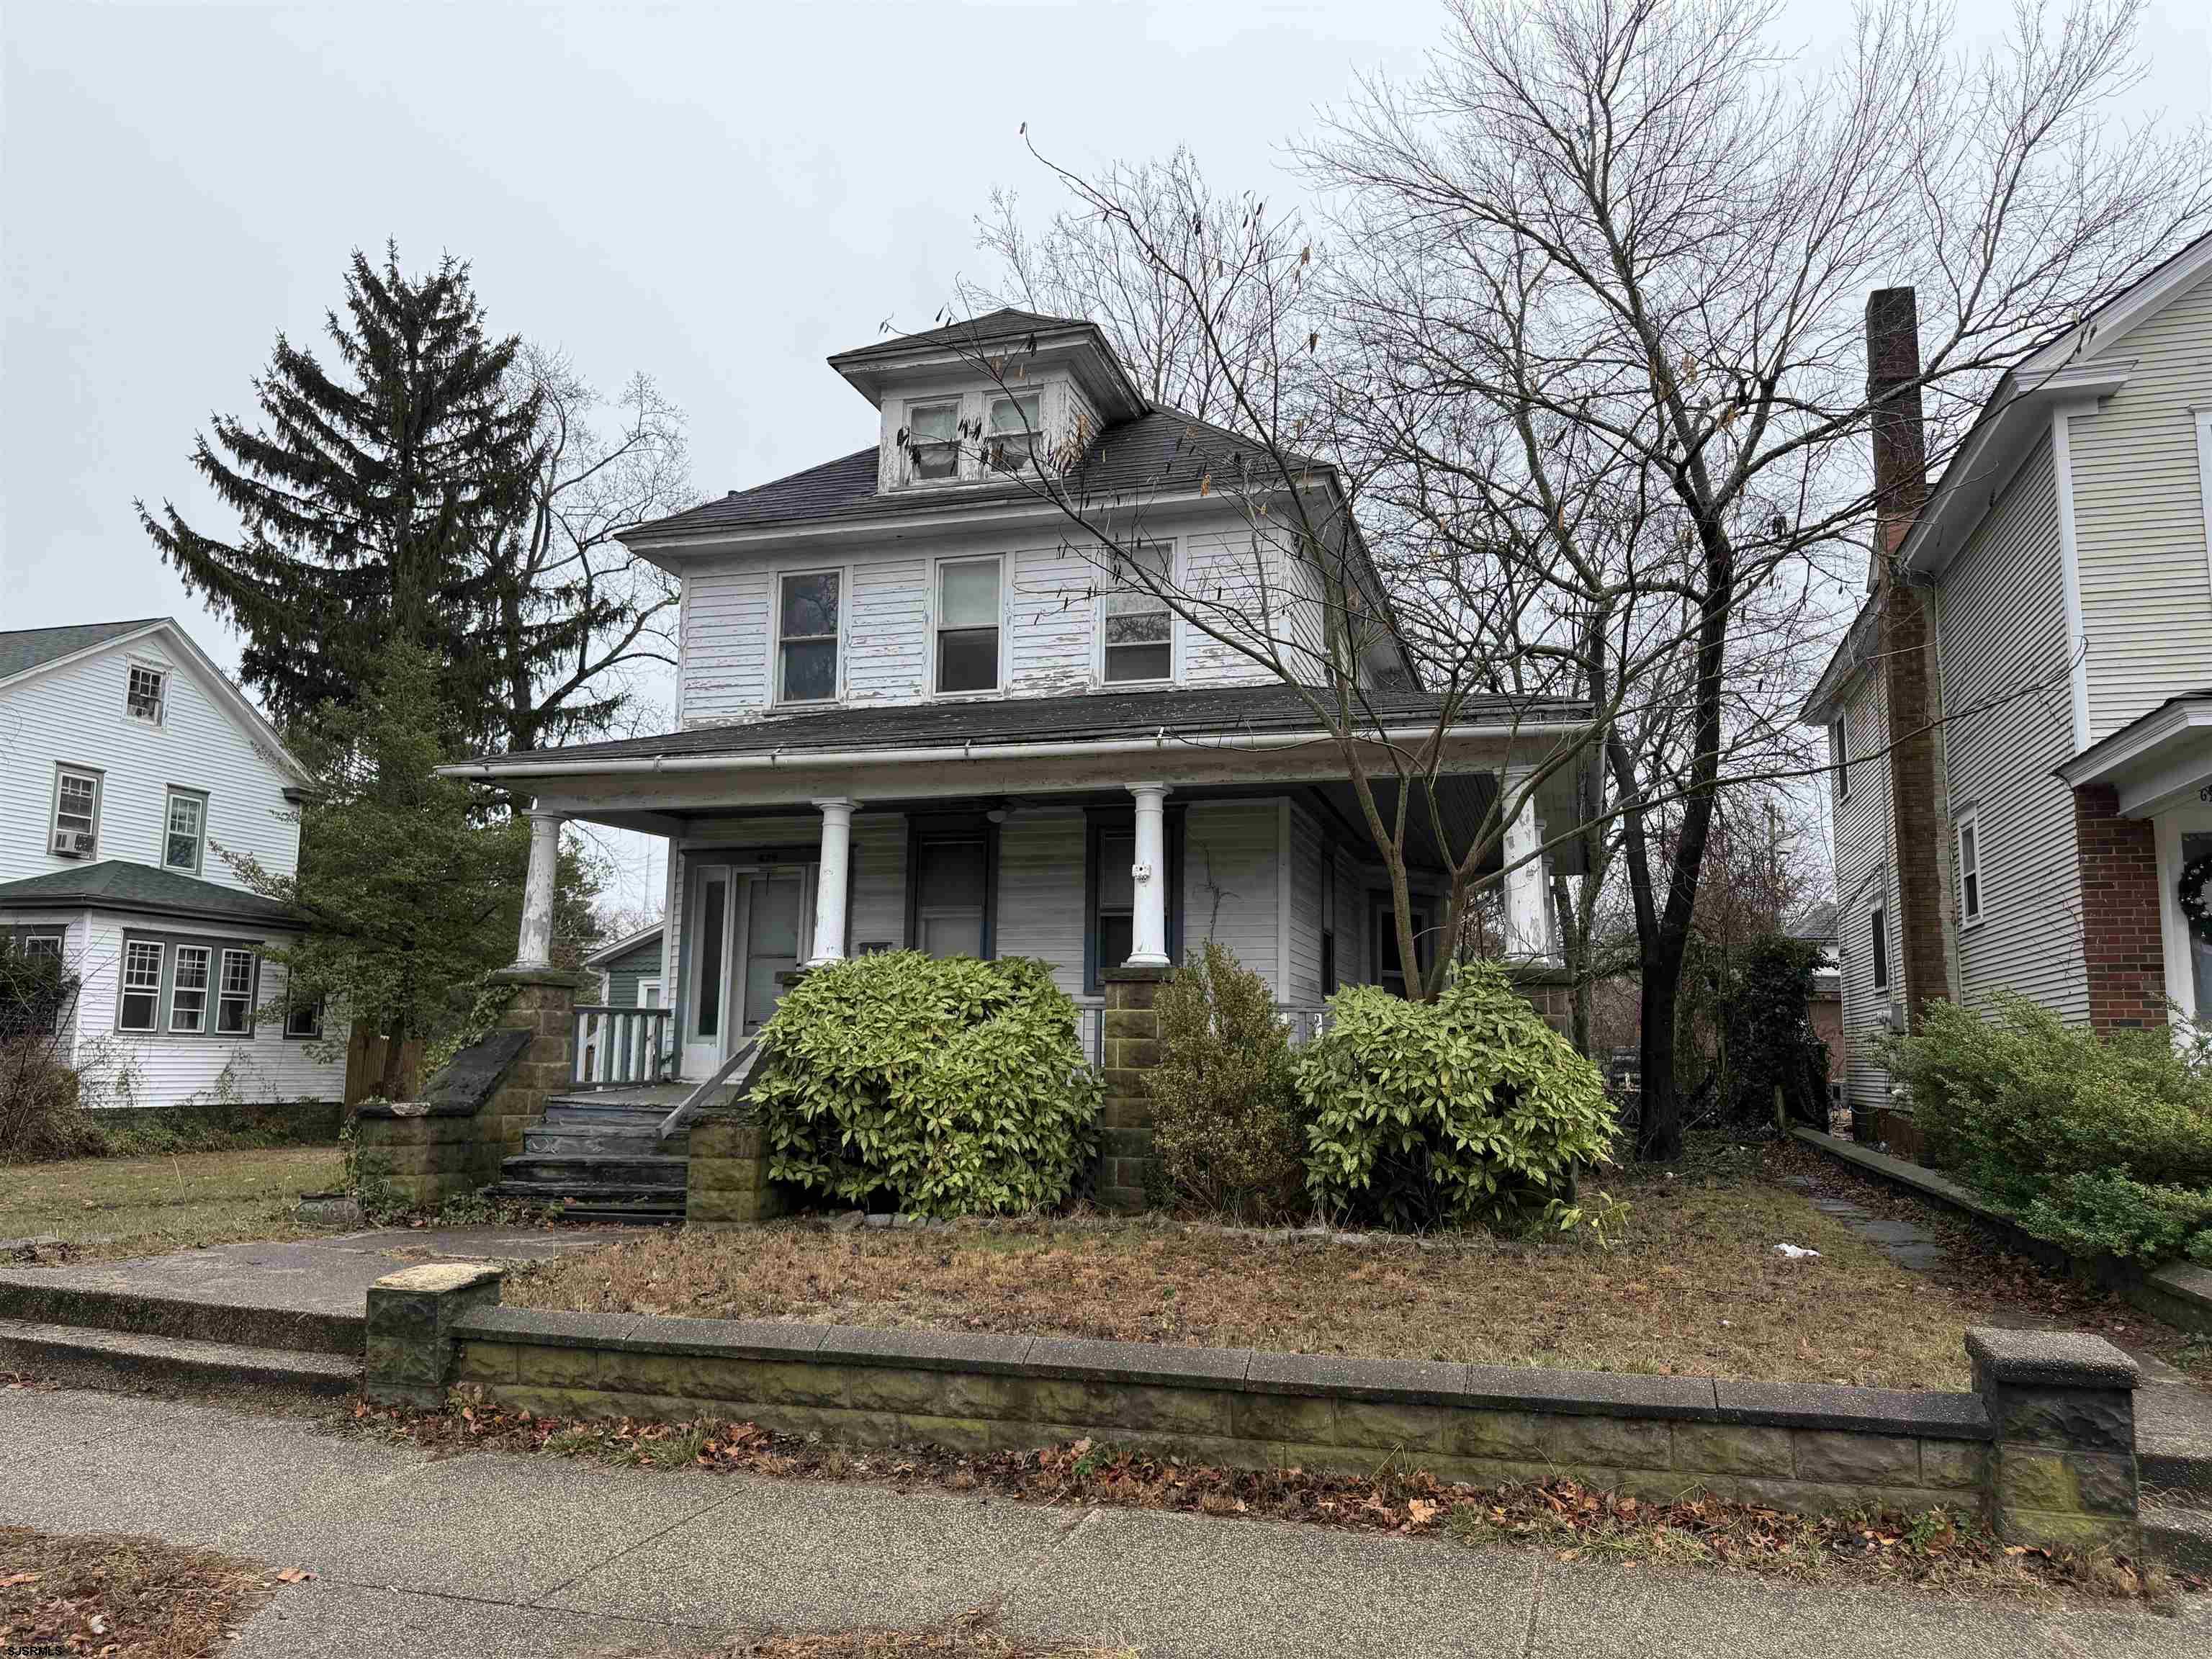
747 925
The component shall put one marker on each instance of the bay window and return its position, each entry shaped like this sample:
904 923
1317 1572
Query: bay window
142 985
188 989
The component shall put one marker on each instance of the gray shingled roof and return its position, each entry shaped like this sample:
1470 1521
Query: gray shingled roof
998 325
23 648
1158 452
1217 711
114 884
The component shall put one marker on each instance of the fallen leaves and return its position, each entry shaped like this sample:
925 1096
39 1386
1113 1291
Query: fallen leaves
121 1597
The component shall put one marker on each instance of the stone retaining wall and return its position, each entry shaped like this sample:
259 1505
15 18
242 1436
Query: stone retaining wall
726 1173
2035 1447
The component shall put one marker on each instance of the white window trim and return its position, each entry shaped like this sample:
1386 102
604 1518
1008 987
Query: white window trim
222 994
314 1008
124 990
2204 478
653 986
1970 819
1174 548
1878 968
1040 432
962 460
843 573
163 671
1006 630
66 768
199 848
206 990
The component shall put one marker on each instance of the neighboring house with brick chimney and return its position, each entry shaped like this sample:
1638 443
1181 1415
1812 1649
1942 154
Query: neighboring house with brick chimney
2020 718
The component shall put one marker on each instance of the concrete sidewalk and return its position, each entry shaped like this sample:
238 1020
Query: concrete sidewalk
484 1557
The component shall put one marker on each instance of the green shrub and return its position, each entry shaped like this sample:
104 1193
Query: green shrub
1465 1109
952 1087
2098 1142
39 1117
1770 1043
1224 1127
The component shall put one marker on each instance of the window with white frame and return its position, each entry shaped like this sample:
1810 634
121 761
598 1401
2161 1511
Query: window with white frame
967 625
141 1008
1878 929
1839 737
952 886
1970 866
188 988
76 811
932 442
1017 432
143 693
45 942
1138 627
233 1007
183 830
649 993
304 1019
807 608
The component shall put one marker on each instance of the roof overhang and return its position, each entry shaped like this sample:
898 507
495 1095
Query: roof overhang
2161 760
1850 658
168 910
1012 355
622 947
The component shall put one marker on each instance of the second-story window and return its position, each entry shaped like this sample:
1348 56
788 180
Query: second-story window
142 696
76 813
932 442
807 637
1017 436
967 625
185 832
1139 629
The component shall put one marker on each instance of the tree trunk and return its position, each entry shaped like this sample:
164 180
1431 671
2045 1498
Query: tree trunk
1659 1135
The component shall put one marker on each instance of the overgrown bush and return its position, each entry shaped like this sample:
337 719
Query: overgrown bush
1225 1124
2097 1143
951 1087
39 1117
1769 1036
1465 1109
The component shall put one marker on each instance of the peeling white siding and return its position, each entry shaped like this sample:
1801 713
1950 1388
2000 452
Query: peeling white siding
1041 884
2139 519
1305 909
878 911
1230 882
2002 630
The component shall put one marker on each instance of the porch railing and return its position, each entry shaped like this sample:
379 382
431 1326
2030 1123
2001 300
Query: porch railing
1303 1023
624 1047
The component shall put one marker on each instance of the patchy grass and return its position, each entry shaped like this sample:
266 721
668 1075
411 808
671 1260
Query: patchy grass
1693 1285
119 1207
128 1598
1938 1551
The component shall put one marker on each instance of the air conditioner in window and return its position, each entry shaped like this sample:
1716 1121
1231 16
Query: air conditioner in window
85 841
69 844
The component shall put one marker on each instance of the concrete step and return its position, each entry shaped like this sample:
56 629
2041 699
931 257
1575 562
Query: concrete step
543 1139
540 1172
27 1297
596 1201
2177 1537
2173 1444
104 1358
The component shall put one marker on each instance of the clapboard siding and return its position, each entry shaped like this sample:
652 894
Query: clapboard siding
74 715
877 891
2003 627
1041 887
120 1069
2139 519
1305 909
724 650
1864 881
1230 883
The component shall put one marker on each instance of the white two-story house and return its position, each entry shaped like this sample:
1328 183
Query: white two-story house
2053 836
918 709
128 764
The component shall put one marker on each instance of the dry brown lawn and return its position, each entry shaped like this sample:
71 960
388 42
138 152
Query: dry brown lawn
1693 1285
125 1598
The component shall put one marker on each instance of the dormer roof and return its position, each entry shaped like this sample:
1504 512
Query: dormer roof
1028 342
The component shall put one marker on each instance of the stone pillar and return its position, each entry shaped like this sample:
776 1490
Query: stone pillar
411 1323
544 1006
829 886
1148 924
2062 1419
1131 1043
1528 904
726 1173
534 949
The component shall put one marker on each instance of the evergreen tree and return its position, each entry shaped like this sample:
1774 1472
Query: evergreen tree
370 500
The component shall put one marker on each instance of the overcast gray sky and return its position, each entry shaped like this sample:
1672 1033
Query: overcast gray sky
720 195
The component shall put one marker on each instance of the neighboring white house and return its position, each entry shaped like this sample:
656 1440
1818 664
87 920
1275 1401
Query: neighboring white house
913 712
128 765
2063 569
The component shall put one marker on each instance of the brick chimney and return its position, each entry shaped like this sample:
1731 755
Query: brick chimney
1906 645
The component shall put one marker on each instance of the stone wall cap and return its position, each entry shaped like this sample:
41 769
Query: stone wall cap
562 977
545 1327
1427 1381
2054 1359
1079 1359
1589 1394
1142 974
1927 1416
437 1278
926 1350
470 1077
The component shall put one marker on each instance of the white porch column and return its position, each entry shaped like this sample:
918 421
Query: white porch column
1528 901
534 950
830 886
1148 925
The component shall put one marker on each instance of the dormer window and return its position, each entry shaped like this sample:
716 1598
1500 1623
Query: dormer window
142 696
1017 436
932 442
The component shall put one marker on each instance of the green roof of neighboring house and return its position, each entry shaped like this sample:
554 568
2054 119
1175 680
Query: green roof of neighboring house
22 648
113 885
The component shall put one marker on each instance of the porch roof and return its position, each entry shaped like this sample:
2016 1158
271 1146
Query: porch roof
140 889
2154 762
892 730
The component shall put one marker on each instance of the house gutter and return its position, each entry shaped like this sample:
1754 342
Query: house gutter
816 759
